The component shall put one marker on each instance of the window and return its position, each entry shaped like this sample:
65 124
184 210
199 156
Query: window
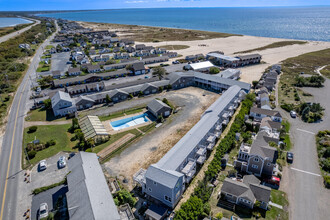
268 164
167 198
155 183
254 166
256 159
150 190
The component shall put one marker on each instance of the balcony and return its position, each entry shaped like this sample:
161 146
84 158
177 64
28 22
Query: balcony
218 128
190 166
201 159
217 134
225 115
211 138
225 122
201 151
210 146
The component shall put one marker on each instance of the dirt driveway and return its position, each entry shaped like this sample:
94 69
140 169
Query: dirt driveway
154 145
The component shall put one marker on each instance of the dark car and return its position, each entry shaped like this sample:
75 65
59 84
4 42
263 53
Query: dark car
289 157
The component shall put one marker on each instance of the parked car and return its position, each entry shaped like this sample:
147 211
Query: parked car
293 114
71 155
61 162
273 181
147 77
43 210
289 157
42 165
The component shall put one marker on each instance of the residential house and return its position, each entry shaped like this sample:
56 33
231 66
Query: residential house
83 102
74 71
258 114
246 193
230 74
139 68
159 108
259 158
93 69
62 104
57 74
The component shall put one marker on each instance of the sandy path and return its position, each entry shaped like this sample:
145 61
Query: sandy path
153 146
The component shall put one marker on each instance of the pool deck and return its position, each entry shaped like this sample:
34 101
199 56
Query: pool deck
110 130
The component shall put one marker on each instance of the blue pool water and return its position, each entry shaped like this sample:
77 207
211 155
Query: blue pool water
129 122
304 23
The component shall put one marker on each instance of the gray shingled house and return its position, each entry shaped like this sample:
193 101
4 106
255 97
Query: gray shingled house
159 108
246 193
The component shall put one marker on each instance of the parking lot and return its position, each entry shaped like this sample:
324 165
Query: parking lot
39 179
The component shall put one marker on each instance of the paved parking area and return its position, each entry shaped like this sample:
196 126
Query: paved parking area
50 197
59 61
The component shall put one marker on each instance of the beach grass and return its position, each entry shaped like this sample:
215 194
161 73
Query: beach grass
273 45
293 67
174 47
157 34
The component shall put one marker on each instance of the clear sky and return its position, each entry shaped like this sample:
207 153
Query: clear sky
24 5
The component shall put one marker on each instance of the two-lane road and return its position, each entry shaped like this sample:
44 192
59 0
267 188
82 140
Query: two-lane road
11 150
16 33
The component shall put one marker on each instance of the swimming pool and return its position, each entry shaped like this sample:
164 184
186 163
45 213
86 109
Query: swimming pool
129 122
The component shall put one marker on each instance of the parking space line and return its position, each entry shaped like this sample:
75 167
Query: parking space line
303 171
305 131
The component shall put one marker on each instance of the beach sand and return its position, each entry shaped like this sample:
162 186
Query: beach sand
230 45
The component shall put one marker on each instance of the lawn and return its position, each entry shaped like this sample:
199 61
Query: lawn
43 68
273 45
42 115
279 198
174 47
48 47
326 71
114 138
293 67
287 140
121 113
45 133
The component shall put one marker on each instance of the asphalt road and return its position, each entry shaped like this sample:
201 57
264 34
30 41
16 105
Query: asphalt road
11 150
308 199
16 33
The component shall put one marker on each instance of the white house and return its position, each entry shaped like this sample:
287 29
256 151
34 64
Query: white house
62 104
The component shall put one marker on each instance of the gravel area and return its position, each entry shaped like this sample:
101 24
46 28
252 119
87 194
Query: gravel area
154 145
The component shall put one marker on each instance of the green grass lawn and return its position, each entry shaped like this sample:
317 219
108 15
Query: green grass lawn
273 45
279 198
48 47
114 138
45 133
43 68
42 115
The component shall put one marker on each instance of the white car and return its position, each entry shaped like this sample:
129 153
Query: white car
61 162
43 210
42 165
293 114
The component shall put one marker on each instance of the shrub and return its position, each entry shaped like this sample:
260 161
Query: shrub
32 154
219 215
88 150
32 129
326 181
123 197
287 107
51 142
214 70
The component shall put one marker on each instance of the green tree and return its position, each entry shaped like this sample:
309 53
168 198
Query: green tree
255 83
159 71
214 70
33 129
219 215
108 99
48 104
192 209
123 196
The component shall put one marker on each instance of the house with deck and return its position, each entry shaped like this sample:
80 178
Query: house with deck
166 180
246 193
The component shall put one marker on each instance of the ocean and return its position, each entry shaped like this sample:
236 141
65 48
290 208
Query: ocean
302 23
7 22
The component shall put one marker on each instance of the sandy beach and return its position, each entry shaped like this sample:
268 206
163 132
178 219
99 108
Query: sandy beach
232 44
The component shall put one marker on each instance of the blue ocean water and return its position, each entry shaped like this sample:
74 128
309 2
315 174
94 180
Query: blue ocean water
6 22
303 23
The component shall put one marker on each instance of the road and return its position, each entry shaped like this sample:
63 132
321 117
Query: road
11 150
303 183
14 34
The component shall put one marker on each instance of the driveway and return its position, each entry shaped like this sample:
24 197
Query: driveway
302 180
59 61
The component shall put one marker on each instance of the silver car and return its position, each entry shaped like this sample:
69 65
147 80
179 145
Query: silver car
43 210
42 165
61 162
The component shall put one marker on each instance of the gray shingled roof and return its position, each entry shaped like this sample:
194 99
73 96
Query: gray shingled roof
174 158
265 112
225 81
89 196
155 105
237 188
260 147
